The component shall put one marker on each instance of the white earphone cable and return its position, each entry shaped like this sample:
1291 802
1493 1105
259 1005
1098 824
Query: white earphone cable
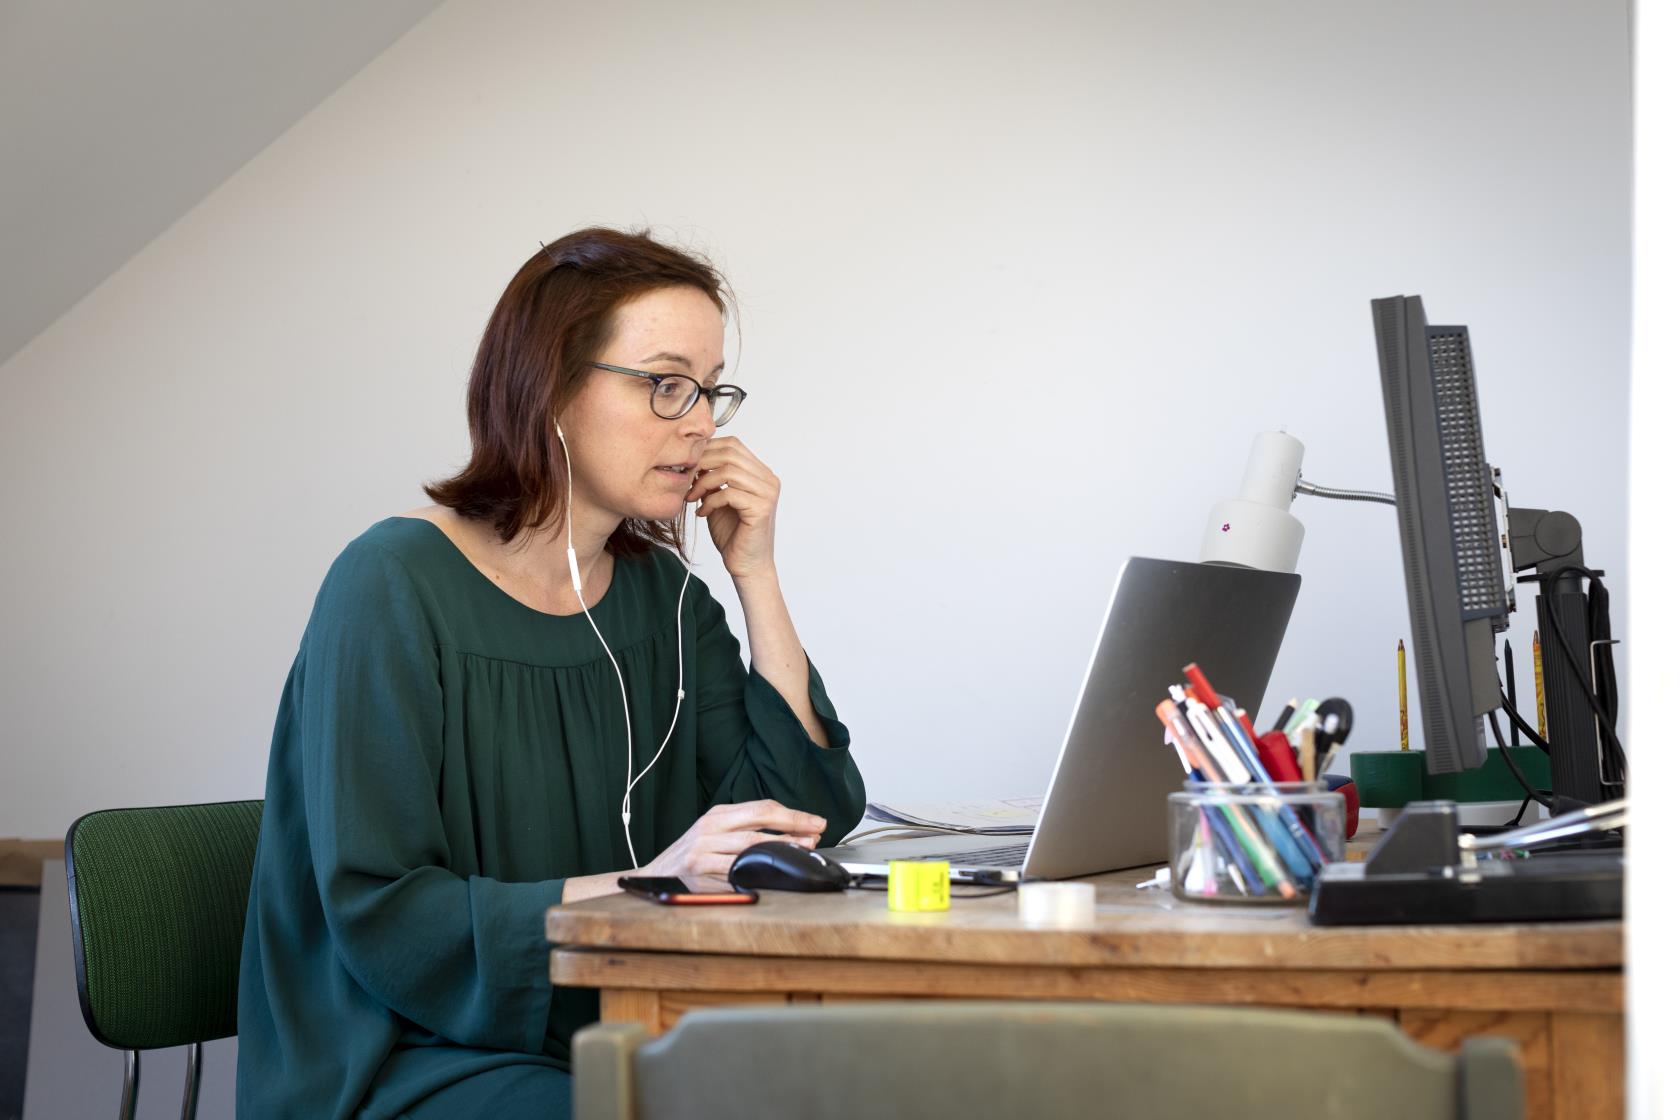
675 712
624 693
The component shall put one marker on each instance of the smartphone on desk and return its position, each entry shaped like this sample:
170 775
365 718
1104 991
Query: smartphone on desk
671 891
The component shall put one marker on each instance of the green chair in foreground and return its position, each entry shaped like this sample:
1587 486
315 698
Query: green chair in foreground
157 917
1007 1060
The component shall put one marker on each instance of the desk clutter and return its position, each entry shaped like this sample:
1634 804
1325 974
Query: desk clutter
1254 822
1428 869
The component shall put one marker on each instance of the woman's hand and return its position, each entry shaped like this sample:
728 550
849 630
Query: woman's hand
709 847
737 495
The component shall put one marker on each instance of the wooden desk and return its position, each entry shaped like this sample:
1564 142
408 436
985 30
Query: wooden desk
1555 989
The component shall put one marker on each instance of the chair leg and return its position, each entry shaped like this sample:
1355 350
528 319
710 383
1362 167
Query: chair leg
131 1084
195 1072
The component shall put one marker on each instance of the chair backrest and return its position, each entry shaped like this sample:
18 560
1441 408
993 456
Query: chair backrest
980 1060
157 917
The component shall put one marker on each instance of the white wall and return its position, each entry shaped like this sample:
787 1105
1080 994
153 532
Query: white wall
117 118
1653 910
953 228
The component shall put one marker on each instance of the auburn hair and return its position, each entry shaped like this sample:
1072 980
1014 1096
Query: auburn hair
555 318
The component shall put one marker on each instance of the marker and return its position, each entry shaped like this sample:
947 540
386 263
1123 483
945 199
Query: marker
1200 687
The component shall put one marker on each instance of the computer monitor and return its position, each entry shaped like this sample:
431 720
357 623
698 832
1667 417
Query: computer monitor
1462 546
1458 589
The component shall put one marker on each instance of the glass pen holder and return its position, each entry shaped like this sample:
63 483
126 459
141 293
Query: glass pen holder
1253 843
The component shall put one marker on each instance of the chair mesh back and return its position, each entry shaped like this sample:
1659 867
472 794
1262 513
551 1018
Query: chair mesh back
157 912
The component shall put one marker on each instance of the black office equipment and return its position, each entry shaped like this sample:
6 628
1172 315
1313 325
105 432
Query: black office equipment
776 865
1462 548
1427 870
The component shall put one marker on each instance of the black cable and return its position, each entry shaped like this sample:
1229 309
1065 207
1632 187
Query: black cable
1598 630
867 883
1548 587
1521 809
1518 723
1516 717
1505 753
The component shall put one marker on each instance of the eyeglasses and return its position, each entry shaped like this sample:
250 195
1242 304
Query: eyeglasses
675 393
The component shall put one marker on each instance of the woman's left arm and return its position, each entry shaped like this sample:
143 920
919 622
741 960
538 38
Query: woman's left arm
776 652
738 496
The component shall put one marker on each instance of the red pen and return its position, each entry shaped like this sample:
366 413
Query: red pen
1248 725
1199 686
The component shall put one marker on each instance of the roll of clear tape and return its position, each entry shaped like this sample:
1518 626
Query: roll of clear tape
1057 904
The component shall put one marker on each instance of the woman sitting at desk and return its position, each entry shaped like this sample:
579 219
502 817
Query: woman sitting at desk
450 753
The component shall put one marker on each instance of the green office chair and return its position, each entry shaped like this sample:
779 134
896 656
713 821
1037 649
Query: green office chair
157 917
985 1060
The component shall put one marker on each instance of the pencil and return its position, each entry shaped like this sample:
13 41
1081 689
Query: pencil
1400 661
1539 690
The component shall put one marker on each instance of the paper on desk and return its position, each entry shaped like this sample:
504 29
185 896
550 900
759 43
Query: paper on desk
1009 816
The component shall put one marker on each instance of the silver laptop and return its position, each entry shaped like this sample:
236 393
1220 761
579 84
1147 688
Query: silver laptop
1106 807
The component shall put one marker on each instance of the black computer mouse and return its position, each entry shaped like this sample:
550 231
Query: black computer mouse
776 865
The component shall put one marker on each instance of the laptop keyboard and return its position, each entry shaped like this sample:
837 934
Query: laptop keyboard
1005 855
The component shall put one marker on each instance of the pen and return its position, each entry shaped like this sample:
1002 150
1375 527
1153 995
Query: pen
1184 741
1195 744
1285 814
1204 830
1283 717
1291 842
1229 768
1200 687
1302 710
1225 717
1247 726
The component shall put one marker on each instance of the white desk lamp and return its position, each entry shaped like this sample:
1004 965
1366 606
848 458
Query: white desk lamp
1255 529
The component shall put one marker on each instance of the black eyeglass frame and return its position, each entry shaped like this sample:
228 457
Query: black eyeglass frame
734 394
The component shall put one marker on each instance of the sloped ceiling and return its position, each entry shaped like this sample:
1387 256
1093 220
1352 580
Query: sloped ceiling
116 118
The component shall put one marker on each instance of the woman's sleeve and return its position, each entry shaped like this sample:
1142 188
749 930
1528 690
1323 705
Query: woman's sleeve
753 746
464 958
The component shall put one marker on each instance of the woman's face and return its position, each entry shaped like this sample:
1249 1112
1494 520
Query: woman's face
620 450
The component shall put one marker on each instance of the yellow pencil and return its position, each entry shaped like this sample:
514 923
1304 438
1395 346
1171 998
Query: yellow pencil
1400 660
1539 690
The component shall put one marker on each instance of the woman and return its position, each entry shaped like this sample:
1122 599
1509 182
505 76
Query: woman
482 679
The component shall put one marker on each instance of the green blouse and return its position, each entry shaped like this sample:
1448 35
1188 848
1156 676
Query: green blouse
443 758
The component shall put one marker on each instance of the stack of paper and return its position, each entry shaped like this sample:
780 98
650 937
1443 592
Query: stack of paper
1011 816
